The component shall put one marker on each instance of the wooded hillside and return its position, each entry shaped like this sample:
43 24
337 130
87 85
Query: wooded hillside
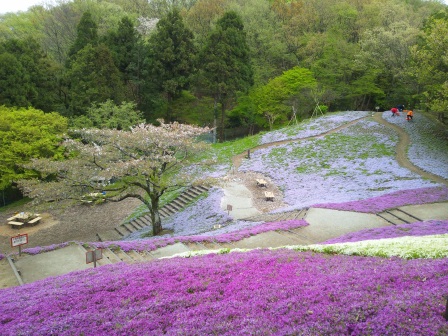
157 54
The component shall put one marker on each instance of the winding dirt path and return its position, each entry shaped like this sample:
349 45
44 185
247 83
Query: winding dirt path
237 159
401 149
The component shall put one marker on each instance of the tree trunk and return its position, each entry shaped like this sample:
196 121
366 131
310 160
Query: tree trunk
155 217
169 110
215 116
221 129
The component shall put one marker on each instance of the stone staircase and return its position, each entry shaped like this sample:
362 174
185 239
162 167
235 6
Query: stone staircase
268 239
397 217
125 229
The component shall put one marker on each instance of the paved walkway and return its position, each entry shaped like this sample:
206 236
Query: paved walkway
324 224
240 198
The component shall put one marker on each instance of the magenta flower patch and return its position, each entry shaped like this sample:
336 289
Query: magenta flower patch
255 293
433 227
392 200
151 244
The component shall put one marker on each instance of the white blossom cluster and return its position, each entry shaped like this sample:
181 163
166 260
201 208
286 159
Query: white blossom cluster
146 25
410 247
145 158
429 247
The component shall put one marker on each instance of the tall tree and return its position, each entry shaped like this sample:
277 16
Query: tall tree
92 78
87 33
172 57
226 65
123 43
28 76
146 161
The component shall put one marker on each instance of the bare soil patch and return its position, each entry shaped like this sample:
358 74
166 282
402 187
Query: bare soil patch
67 223
248 179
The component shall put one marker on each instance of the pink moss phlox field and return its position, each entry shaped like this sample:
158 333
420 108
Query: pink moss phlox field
261 292
392 200
151 244
432 227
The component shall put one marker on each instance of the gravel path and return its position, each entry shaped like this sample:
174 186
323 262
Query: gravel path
401 151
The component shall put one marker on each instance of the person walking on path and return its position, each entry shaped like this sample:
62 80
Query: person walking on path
394 111
409 115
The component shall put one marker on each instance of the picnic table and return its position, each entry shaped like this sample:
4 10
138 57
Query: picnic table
261 183
23 218
269 196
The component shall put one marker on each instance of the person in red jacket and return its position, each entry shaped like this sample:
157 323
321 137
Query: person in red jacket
394 111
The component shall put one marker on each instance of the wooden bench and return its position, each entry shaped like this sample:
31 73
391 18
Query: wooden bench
261 183
11 218
269 196
35 220
15 224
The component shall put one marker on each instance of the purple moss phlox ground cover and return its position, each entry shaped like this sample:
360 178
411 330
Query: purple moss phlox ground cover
429 143
153 244
260 292
432 227
357 162
392 200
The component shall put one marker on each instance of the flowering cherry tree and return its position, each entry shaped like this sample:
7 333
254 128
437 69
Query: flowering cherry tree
142 163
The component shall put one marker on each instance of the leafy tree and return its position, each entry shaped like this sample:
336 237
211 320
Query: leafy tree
293 19
146 162
245 113
110 115
172 57
226 65
275 100
201 16
92 78
58 27
335 68
159 8
26 134
269 52
431 65
387 69
192 109
58 24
